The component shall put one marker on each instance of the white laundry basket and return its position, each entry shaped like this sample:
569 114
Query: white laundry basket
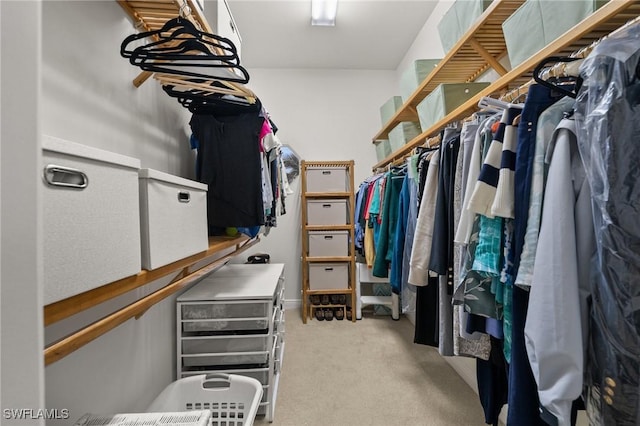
232 399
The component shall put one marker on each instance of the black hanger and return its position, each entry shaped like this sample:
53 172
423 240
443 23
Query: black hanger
181 49
174 29
575 80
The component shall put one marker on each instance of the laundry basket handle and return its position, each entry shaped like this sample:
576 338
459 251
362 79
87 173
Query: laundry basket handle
216 381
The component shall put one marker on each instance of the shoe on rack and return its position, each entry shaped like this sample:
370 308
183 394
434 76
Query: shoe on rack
335 299
328 314
339 314
349 314
319 314
342 299
315 299
324 299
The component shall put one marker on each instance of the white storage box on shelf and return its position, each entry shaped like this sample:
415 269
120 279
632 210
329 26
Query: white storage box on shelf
91 218
231 399
173 217
327 212
328 243
328 179
328 276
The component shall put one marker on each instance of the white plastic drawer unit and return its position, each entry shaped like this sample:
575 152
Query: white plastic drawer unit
327 276
226 316
327 212
328 243
91 218
173 218
327 179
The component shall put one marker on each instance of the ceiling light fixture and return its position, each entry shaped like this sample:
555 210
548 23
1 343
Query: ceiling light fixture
323 12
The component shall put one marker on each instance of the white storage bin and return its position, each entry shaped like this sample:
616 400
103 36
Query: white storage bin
328 243
327 276
327 212
173 217
91 218
327 179
221 344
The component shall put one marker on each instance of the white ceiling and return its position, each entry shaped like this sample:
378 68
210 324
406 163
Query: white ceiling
369 34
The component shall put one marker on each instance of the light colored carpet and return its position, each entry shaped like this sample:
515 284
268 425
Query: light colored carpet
367 373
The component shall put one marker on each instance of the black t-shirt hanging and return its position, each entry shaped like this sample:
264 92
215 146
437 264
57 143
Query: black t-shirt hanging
229 162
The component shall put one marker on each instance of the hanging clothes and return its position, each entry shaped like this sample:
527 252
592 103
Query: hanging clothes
426 327
230 164
608 124
390 202
560 278
441 261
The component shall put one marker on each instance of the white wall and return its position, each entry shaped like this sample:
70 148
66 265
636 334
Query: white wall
88 97
21 365
427 44
323 115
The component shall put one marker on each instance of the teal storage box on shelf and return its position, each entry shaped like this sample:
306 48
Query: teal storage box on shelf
444 99
459 19
537 23
389 108
403 133
383 149
414 75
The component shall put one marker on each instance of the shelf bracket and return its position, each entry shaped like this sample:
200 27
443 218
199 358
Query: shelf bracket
487 56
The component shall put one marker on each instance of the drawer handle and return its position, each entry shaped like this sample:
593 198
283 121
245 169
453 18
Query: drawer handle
328 237
326 206
65 177
326 172
328 269
184 197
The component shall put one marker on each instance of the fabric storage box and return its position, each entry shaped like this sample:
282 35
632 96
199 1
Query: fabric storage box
91 218
414 75
327 276
326 212
546 20
327 179
403 133
383 149
328 243
173 218
458 20
444 99
389 108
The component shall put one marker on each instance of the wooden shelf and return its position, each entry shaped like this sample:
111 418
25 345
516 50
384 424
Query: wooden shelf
476 52
609 17
327 195
217 255
320 259
328 227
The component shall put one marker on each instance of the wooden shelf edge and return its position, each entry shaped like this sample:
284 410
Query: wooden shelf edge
327 194
62 309
64 347
606 12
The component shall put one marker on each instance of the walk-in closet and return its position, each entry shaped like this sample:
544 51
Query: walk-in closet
319 212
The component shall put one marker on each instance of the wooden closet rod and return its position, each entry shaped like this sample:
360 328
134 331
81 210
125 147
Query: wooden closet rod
75 341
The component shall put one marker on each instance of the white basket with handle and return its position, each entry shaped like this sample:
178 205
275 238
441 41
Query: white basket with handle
232 399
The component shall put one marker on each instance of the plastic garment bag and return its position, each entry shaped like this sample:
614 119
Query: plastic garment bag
608 118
